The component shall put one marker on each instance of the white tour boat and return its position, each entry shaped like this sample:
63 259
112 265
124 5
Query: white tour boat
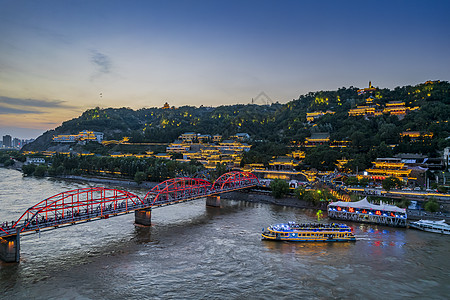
431 226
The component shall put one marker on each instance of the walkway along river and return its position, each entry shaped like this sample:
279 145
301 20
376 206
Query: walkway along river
196 252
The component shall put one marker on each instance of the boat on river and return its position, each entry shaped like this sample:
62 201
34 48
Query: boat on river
431 226
309 232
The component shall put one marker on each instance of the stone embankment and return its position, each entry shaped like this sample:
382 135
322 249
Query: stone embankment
261 197
110 181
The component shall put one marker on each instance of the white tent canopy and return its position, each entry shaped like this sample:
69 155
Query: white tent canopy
364 204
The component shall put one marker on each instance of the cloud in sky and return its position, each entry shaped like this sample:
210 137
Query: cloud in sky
16 111
10 105
102 63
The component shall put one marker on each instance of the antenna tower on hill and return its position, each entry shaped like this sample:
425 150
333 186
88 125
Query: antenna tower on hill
263 99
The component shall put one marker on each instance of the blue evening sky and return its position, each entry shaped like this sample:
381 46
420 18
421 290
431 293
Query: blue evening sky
57 57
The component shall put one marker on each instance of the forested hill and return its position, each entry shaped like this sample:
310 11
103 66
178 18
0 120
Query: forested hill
280 123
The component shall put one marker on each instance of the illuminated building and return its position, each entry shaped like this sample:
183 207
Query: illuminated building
432 82
282 163
163 155
386 167
340 144
370 89
395 108
320 138
188 137
203 138
416 135
178 147
340 165
85 135
240 137
311 116
216 138
365 110
299 155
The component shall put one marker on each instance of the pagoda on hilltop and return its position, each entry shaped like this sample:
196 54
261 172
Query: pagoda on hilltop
369 89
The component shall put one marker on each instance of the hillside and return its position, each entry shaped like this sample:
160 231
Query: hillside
427 106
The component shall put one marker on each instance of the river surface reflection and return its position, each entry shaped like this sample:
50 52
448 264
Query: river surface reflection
197 252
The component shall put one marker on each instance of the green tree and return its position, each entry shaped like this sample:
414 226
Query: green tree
432 206
391 182
218 171
364 181
352 180
28 169
139 177
300 192
9 162
279 188
40 171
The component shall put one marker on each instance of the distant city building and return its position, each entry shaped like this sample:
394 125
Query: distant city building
447 157
7 141
16 143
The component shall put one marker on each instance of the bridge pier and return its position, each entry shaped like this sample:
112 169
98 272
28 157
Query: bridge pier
213 201
143 217
10 247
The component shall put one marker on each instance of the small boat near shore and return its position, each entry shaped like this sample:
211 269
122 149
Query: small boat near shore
431 226
310 232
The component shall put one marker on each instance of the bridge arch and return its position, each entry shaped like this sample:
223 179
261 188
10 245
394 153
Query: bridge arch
234 180
78 205
176 190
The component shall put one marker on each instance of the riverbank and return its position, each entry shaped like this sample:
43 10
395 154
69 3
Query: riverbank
258 197
246 195
108 180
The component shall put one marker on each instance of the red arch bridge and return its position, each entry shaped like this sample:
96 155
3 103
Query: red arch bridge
96 203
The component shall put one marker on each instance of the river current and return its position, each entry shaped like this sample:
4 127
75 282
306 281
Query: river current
198 252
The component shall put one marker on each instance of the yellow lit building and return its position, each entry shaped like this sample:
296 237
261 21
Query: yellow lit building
416 135
178 147
282 163
85 135
188 137
299 155
386 167
395 108
311 116
217 138
341 164
369 89
320 138
124 140
204 138
364 110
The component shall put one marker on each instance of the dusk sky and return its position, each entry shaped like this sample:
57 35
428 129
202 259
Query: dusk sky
59 58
